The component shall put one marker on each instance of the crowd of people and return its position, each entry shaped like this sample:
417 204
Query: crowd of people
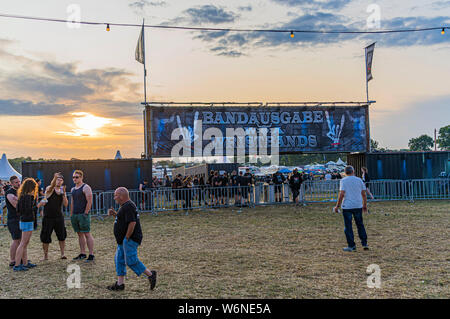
22 203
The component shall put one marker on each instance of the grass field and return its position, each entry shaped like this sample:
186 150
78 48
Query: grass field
263 252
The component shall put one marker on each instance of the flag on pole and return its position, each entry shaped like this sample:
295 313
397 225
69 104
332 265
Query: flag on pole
369 58
140 49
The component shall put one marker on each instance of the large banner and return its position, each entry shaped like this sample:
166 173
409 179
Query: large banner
299 129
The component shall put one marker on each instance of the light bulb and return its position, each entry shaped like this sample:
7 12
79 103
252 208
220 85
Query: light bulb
107 27
292 34
443 31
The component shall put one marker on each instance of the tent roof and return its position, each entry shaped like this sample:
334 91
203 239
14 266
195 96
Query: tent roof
6 170
340 162
118 155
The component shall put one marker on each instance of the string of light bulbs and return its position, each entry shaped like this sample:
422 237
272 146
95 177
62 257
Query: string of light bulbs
289 31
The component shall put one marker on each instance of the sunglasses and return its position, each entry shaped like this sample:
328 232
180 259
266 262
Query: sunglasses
75 177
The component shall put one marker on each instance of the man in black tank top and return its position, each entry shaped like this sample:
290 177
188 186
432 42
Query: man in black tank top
80 205
53 217
13 218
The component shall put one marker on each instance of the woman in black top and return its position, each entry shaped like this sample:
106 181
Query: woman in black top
366 180
53 216
26 204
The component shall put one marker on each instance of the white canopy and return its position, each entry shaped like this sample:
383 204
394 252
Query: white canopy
6 170
340 162
330 163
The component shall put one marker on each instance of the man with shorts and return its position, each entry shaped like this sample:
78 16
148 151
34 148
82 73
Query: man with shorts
80 206
278 180
128 233
13 218
53 219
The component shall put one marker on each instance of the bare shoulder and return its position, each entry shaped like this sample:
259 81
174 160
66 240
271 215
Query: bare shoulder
87 189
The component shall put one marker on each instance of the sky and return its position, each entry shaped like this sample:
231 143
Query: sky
75 92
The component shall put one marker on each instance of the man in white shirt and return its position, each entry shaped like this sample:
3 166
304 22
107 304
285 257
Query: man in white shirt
352 196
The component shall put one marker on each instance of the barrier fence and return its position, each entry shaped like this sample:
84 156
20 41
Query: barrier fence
186 199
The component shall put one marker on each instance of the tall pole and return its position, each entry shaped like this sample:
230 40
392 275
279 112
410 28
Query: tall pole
145 70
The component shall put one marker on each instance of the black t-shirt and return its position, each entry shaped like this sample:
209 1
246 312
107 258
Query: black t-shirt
278 179
145 186
296 181
12 212
26 206
234 180
224 181
127 214
176 183
248 179
216 181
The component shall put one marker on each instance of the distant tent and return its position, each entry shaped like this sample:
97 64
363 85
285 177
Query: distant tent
6 170
285 170
118 156
340 162
330 163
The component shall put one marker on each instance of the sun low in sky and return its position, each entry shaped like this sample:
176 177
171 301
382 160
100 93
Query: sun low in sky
87 125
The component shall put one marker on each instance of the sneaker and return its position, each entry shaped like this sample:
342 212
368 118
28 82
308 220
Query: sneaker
80 257
116 287
29 265
366 247
90 258
152 280
349 249
20 268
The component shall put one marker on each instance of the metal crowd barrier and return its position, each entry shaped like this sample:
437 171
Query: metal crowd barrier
206 197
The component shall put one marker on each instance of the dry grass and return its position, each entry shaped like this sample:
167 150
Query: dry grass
263 252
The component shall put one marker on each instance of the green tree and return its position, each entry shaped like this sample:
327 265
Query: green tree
443 139
373 145
421 143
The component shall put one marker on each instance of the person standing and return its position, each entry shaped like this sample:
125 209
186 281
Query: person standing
128 234
53 219
295 181
26 205
80 206
143 187
366 180
278 180
13 218
352 196
176 187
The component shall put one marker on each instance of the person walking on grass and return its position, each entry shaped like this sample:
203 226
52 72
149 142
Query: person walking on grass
26 205
352 196
53 219
128 234
80 206
295 182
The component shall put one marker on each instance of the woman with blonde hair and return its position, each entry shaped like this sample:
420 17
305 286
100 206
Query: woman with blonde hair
26 204
53 219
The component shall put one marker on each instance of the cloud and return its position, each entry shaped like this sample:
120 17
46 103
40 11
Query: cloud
33 87
229 41
245 8
206 14
141 4
313 4
27 108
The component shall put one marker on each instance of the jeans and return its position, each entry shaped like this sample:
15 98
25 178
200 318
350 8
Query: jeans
126 255
357 213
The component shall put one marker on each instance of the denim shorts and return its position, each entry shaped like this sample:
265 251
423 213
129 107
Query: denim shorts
26 226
